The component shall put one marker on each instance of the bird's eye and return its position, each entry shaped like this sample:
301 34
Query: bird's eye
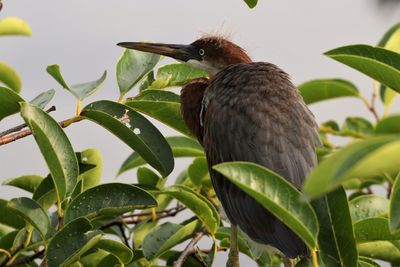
201 52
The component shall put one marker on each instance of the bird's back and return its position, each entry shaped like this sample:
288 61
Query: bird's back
252 112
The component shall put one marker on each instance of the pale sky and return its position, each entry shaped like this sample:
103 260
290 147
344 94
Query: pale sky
81 37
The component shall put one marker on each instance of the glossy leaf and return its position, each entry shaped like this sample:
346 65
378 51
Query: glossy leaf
275 194
165 236
368 206
91 177
147 81
365 158
366 262
251 3
55 147
394 211
80 91
163 106
373 229
108 199
132 67
378 63
119 250
46 194
389 125
32 213
197 203
43 99
8 217
320 90
14 26
109 260
382 250
147 176
336 236
181 146
175 75
134 130
71 242
27 182
198 171
9 102
10 77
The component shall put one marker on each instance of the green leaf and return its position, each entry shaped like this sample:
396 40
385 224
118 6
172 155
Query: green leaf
91 177
368 206
366 262
181 146
336 237
132 67
380 64
134 130
394 211
374 229
198 171
365 158
320 90
148 80
55 147
119 250
163 106
93 259
80 91
389 125
8 217
175 75
27 182
14 26
71 242
147 176
108 199
275 194
164 237
251 3
197 203
10 77
32 213
224 234
357 127
109 260
9 102
46 194
43 99
382 250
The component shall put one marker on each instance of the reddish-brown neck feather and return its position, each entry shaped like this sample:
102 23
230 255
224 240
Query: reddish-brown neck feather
191 97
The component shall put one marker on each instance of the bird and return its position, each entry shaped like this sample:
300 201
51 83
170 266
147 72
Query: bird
245 111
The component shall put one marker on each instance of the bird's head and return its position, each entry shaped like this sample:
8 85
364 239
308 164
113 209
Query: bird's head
211 53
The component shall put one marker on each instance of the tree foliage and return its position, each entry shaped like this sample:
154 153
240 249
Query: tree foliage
72 219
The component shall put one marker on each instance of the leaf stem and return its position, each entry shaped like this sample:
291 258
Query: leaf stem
78 107
370 107
120 98
314 258
4 251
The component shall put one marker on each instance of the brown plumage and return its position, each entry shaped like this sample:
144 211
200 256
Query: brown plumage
246 111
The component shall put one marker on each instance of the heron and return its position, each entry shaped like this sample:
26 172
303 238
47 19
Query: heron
245 111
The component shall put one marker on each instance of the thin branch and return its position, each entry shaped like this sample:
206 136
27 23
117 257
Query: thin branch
189 249
121 228
14 137
168 211
370 107
22 126
27 259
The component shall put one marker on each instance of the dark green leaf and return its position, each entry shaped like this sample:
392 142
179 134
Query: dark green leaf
336 237
197 203
45 194
55 147
368 206
224 234
389 125
32 213
357 127
8 217
365 158
320 90
181 146
380 64
43 99
394 211
71 242
108 199
374 229
55 72
251 3
147 176
165 236
132 67
198 171
10 77
27 182
119 250
135 130
175 75
148 80
9 102
163 106
277 195
14 26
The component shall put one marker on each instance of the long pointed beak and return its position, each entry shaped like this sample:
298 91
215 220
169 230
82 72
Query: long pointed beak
178 52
